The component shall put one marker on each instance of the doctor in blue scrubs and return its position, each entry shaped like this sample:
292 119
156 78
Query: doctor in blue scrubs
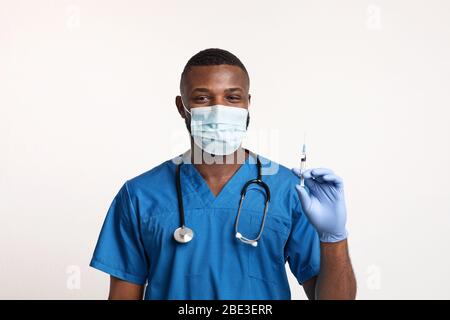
220 222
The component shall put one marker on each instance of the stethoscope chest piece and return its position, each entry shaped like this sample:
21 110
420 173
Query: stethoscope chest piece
183 234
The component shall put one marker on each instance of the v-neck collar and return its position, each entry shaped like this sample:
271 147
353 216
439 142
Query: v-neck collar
199 186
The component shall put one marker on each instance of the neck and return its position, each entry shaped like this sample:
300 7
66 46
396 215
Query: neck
217 168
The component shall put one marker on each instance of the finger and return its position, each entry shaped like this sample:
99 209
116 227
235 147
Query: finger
296 171
318 172
337 181
310 182
305 199
307 174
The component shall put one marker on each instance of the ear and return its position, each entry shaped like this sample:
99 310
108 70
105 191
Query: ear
179 104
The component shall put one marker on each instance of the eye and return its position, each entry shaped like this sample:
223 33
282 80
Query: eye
234 98
201 98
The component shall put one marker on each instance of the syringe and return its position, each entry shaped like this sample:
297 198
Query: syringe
303 162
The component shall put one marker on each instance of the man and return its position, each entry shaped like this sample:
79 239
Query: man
183 230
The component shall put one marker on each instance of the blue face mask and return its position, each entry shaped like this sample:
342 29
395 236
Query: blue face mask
218 130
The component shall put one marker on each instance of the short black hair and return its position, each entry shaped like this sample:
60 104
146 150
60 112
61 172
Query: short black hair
212 57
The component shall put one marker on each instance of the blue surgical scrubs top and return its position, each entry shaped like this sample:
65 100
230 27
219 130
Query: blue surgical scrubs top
136 242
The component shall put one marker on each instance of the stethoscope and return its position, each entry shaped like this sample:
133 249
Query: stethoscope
183 234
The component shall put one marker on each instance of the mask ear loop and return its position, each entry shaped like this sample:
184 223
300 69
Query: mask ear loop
182 102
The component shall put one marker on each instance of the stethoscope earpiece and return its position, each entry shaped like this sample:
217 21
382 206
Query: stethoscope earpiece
251 242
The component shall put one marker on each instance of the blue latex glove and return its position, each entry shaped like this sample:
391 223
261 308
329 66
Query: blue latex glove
323 202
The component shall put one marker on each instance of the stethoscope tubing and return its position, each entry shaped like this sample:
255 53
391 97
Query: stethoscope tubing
183 234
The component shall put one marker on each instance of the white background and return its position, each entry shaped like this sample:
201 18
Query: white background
87 94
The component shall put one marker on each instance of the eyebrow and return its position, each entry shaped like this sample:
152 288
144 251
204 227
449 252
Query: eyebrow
226 90
233 89
200 90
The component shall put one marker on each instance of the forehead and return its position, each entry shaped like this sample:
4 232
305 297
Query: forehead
216 77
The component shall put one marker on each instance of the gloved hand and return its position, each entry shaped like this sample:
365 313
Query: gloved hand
323 202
